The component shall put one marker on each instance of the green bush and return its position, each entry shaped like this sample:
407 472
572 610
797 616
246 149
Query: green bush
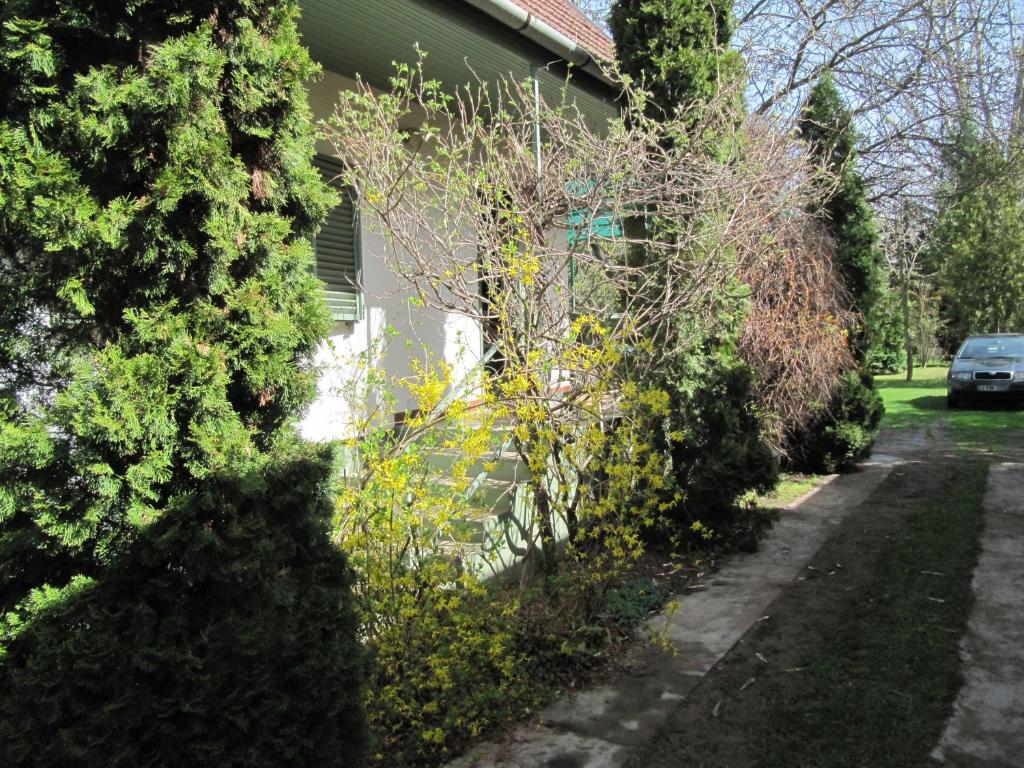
714 439
628 605
224 636
886 353
844 430
826 123
159 604
722 456
843 433
678 50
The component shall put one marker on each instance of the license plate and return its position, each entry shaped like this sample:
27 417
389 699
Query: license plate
993 388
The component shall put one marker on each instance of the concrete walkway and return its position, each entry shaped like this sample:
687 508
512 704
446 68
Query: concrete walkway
600 727
987 725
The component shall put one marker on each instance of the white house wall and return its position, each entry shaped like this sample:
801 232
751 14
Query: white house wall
423 333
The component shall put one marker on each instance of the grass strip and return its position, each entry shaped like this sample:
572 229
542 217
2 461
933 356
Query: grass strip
922 403
791 486
878 692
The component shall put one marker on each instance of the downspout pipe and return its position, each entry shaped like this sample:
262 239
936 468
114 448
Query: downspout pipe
542 33
535 76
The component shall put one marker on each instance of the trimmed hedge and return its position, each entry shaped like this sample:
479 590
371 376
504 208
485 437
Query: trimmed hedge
843 433
721 456
224 637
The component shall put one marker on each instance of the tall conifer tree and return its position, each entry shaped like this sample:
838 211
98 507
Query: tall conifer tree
844 430
977 249
827 125
168 594
678 51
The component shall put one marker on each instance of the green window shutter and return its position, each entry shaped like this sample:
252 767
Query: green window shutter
337 249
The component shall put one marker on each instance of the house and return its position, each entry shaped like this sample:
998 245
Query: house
463 38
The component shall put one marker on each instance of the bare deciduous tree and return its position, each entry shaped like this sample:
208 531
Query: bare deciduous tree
472 214
904 241
906 68
595 10
500 207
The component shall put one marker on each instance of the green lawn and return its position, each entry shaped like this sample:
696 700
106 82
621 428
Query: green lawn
922 403
913 403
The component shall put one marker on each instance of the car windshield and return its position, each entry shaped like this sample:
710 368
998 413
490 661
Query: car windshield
982 348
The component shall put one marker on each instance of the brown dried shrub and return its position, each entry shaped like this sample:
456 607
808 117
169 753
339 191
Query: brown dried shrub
796 333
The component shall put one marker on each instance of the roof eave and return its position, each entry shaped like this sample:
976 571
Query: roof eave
539 31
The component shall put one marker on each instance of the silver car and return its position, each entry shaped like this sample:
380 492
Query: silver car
987 367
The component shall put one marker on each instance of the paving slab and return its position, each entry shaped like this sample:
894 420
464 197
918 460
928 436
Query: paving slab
598 728
541 747
987 724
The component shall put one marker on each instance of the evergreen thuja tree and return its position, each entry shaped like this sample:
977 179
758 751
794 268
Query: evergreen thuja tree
977 246
844 429
168 593
827 126
677 51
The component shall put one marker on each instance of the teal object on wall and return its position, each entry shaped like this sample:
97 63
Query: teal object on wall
585 224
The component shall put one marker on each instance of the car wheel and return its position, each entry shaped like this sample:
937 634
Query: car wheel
951 402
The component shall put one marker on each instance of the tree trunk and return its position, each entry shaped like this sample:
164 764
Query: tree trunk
924 340
1017 121
542 509
908 345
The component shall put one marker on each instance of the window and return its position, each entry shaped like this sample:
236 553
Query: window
337 249
990 348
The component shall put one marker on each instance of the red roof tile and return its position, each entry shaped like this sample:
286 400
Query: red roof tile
570 21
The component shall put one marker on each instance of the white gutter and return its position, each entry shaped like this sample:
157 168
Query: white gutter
542 33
